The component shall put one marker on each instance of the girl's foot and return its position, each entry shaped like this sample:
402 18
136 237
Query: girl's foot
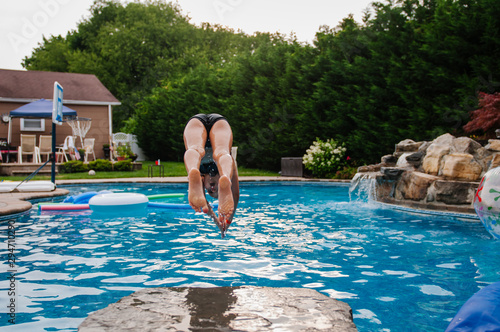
226 202
196 194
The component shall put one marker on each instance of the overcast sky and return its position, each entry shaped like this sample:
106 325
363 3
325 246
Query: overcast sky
24 22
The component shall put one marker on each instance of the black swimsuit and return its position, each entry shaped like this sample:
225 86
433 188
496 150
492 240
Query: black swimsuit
208 165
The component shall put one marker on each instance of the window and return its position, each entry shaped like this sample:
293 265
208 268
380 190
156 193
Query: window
32 124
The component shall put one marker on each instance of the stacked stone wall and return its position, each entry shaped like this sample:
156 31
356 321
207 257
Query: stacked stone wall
438 174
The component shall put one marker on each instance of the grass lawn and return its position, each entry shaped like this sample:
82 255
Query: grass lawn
171 169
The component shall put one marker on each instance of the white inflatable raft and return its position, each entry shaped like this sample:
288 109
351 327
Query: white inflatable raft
118 202
8 186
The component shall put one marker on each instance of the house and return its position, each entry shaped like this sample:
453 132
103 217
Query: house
83 93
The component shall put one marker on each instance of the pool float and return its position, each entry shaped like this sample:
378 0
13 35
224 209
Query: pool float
480 313
8 186
83 198
174 206
486 201
108 202
118 202
62 207
161 196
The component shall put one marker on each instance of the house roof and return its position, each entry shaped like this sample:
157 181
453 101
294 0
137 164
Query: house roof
26 86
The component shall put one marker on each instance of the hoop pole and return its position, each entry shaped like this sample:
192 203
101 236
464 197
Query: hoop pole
53 170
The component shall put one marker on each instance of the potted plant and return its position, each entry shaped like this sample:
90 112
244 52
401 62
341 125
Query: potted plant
124 151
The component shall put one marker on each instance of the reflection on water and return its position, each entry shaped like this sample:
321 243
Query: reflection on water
208 306
388 265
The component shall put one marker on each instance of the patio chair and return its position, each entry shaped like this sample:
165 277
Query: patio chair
67 148
45 147
28 147
88 146
6 150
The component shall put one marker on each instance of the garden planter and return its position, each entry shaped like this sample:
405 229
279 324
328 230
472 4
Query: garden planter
106 153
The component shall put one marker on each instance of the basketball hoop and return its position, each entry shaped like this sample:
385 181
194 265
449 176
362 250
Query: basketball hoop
80 127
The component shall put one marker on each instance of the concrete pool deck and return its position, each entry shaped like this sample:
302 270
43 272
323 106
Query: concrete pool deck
18 202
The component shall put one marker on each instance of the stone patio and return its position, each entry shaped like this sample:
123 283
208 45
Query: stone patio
223 309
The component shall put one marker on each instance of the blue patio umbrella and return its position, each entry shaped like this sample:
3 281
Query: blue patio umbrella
39 109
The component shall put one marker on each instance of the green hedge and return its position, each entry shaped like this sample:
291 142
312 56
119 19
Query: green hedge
99 165
123 166
73 166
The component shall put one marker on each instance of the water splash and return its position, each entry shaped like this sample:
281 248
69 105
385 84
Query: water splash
363 187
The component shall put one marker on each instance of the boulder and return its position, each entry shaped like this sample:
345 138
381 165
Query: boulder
389 160
483 156
414 185
408 145
423 147
495 161
415 159
391 173
454 192
223 309
464 145
385 188
432 160
402 162
493 145
461 166
363 169
445 139
374 167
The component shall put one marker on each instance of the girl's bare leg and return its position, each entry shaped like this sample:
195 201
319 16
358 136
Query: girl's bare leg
221 138
195 136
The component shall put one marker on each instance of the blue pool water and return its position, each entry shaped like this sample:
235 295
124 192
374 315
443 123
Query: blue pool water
399 271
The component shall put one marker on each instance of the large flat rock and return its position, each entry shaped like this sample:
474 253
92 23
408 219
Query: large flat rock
223 309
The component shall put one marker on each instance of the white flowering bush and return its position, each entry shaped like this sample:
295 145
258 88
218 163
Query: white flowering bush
325 158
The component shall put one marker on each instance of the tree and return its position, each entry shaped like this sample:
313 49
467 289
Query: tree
487 117
131 49
411 69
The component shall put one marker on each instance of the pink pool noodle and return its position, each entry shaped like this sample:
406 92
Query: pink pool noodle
64 207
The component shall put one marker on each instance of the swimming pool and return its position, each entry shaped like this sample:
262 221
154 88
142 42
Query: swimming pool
398 271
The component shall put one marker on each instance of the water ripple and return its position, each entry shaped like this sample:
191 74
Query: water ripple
392 267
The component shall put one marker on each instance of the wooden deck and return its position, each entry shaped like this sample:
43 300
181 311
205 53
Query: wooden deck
25 169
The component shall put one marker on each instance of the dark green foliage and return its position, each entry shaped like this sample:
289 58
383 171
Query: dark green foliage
100 165
130 48
412 69
73 166
122 166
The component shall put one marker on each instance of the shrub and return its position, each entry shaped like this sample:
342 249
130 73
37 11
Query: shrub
101 165
347 172
123 166
73 166
324 159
